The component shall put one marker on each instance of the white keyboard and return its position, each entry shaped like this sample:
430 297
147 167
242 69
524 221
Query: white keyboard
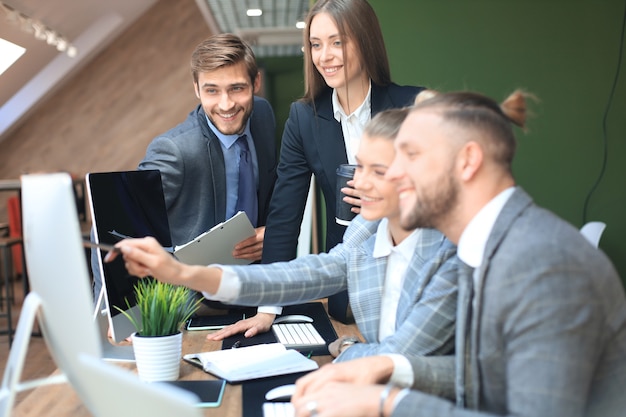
298 335
278 410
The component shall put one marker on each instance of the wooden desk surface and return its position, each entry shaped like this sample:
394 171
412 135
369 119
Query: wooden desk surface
61 400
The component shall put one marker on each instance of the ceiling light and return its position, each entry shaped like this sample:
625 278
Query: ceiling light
38 29
254 12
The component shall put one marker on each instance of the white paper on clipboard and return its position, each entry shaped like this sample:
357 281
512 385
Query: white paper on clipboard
216 245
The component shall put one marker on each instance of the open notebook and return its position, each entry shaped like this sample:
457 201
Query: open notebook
252 362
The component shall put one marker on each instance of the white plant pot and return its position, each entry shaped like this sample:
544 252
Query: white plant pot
158 357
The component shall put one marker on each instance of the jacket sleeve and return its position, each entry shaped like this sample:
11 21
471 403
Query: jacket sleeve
283 283
164 155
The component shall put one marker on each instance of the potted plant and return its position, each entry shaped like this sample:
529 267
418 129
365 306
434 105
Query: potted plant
157 343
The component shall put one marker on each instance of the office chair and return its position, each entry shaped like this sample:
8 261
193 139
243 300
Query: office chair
592 231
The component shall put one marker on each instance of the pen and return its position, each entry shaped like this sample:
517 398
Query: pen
102 246
308 355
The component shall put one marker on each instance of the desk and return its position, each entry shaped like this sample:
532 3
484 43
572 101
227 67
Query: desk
61 400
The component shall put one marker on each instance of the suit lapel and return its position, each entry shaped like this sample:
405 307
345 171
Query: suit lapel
329 137
368 280
514 207
463 323
380 99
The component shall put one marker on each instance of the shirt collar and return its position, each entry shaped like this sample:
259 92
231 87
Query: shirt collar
227 140
383 245
362 112
471 247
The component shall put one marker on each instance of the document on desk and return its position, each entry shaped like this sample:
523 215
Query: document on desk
216 245
252 362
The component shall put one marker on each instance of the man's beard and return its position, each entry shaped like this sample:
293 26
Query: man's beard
431 207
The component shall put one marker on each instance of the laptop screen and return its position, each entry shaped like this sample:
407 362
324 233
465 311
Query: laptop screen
126 204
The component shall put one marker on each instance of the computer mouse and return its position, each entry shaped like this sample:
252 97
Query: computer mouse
293 318
281 393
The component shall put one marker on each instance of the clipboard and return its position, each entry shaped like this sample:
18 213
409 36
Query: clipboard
216 245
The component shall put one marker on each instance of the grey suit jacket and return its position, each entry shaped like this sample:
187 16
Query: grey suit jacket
191 163
426 310
547 334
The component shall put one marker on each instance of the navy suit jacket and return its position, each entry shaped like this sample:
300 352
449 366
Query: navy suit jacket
313 143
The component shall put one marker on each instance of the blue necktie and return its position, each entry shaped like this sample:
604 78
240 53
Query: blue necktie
246 194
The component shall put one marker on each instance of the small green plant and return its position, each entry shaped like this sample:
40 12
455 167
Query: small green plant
163 307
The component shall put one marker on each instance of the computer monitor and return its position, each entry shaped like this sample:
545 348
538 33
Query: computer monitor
61 299
131 204
60 296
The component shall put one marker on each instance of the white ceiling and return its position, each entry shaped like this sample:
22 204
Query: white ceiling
91 25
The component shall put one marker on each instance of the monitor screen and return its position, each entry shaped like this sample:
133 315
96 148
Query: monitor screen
125 204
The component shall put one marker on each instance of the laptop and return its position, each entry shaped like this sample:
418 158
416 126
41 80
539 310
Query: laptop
132 204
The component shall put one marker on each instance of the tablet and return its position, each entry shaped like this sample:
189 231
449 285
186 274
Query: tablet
216 245
214 322
210 392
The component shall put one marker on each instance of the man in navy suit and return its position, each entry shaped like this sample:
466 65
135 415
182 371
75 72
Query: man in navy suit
199 158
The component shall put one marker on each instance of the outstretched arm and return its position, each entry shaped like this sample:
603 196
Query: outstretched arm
145 257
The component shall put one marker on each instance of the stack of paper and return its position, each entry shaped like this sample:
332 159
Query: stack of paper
251 362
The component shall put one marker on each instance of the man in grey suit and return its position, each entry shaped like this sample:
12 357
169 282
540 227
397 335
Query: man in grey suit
199 159
541 320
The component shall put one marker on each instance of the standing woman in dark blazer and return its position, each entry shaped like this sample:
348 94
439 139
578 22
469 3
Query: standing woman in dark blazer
347 81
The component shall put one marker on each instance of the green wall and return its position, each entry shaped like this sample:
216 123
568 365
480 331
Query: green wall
566 53
283 83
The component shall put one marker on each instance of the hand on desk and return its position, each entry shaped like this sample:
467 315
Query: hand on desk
368 370
252 247
251 326
345 389
341 400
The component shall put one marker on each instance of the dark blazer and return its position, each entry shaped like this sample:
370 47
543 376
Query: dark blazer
313 143
191 162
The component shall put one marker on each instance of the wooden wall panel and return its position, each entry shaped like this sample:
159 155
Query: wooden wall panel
103 118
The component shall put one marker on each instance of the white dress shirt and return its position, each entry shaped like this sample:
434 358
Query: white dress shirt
471 249
398 259
352 125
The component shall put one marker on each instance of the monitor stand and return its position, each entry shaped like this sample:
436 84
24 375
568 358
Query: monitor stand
110 352
12 382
